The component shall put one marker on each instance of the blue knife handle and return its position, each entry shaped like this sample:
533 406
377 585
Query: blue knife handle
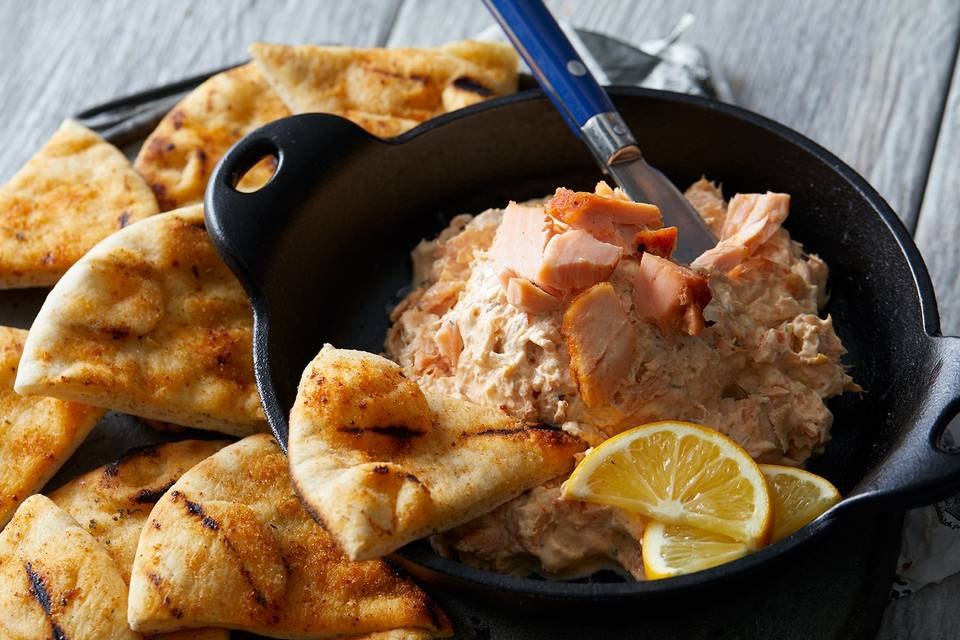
553 60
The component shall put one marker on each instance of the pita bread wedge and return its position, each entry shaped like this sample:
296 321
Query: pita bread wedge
112 503
381 463
58 581
230 545
178 157
37 435
387 91
75 191
151 323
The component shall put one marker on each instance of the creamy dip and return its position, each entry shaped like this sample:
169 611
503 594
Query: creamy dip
759 371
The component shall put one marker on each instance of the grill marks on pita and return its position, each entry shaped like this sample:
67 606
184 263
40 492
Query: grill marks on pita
380 462
151 323
37 435
58 581
387 91
75 191
112 503
268 567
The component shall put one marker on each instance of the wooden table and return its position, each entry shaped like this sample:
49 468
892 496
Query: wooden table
875 81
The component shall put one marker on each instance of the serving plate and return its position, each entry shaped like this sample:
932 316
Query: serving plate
322 250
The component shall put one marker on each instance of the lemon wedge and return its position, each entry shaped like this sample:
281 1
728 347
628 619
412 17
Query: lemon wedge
670 550
798 497
678 473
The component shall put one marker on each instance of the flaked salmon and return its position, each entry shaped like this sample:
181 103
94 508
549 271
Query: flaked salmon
601 342
532 249
659 242
526 296
752 219
521 239
670 295
449 342
611 219
576 260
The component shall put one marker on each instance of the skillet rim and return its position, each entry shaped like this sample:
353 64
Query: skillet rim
419 554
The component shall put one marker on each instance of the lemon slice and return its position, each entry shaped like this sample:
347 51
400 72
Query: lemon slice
678 473
670 550
798 497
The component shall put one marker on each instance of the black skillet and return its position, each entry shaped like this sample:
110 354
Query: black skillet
323 252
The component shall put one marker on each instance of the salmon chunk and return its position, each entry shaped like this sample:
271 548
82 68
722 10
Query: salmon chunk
521 239
601 342
449 342
670 295
659 242
530 248
610 219
528 297
575 260
752 219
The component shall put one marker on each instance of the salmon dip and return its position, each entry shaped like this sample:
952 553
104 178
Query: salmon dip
569 311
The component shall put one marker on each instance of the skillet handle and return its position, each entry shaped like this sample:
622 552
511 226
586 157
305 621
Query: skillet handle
248 228
251 231
916 471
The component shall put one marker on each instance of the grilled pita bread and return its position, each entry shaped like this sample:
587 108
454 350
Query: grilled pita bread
74 192
230 545
178 157
381 463
58 581
37 435
387 91
151 323
112 502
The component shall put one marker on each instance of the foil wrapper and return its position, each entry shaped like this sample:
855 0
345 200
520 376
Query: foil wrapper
665 63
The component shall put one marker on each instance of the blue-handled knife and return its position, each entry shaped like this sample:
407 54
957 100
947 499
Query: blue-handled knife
591 115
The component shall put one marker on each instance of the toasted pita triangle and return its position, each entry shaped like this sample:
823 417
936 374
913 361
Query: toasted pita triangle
37 435
112 503
178 157
75 191
230 545
58 581
381 463
151 323
387 91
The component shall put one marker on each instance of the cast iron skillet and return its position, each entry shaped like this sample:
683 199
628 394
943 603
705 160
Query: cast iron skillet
323 250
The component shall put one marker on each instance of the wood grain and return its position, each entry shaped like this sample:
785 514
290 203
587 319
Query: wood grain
61 57
863 78
938 228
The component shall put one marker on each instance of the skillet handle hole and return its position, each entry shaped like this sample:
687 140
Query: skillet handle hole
257 175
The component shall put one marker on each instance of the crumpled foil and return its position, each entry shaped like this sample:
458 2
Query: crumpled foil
662 63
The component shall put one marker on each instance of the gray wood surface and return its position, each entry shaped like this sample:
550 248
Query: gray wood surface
938 228
865 78
62 56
